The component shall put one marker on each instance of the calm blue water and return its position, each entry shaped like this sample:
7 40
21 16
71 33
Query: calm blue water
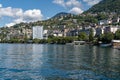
58 62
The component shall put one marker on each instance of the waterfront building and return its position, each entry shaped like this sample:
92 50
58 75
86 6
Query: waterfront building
38 32
94 31
116 43
27 33
110 29
45 34
59 34
73 32
99 31
65 31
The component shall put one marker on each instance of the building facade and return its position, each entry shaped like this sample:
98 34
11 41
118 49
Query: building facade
38 32
110 29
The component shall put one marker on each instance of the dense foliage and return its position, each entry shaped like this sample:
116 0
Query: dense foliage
56 40
117 34
91 35
106 6
107 37
83 36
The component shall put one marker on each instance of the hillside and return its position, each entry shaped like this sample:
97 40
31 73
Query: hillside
61 14
85 19
59 19
105 6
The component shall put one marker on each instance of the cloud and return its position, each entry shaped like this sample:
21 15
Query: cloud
7 12
10 24
92 2
32 15
68 3
76 10
16 21
59 2
18 15
74 6
0 5
73 3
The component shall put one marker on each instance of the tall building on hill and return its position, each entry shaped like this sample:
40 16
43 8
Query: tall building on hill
38 32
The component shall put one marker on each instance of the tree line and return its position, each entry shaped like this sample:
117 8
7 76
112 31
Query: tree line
82 36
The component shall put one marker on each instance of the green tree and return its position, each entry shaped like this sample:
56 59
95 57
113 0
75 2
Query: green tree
102 16
107 37
117 34
36 40
90 19
83 36
91 35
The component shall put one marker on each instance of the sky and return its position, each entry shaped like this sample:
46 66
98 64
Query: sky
17 11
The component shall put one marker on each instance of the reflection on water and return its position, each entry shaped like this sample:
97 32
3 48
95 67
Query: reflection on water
58 62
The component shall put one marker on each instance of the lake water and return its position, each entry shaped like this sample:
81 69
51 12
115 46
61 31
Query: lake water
58 62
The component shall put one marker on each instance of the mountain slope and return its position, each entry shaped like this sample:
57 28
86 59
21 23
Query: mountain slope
105 6
61 14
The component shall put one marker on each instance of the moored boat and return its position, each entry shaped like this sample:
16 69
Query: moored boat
106 45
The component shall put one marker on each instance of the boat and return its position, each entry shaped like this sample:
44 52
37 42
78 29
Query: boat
79 42
106 45
69 44
76 43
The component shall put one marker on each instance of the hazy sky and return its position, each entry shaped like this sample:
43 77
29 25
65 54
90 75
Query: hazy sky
16 11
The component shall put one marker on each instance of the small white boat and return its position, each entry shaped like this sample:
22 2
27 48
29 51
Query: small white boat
106 45
69 44
79 42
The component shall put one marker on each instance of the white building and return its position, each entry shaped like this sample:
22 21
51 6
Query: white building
114 29
45 34
103 22
38 32
58 34
94 31
116 20
110 29
99 31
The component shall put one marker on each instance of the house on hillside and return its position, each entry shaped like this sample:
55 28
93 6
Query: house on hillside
110 29
73 32
103 22
57 33
99 31
116 20
45 34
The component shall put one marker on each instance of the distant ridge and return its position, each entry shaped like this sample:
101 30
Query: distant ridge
61 14
105 6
